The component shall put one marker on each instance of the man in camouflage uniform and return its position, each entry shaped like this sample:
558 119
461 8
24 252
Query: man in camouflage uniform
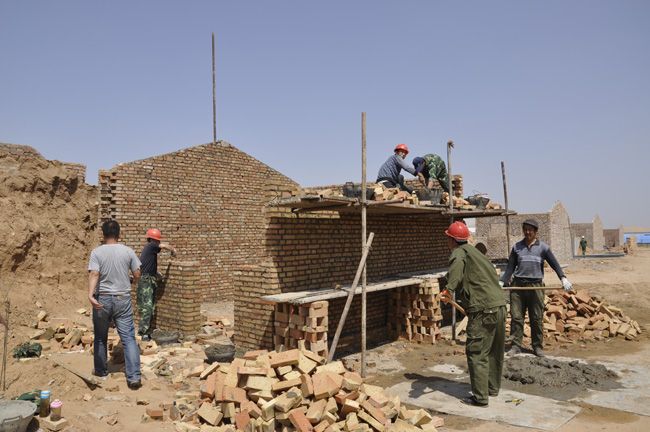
431 167
583 245
146 300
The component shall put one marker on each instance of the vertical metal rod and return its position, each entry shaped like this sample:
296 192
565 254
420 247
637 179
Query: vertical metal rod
214 98
450 144
505 196
363 244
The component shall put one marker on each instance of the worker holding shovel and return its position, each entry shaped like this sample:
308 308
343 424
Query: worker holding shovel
146 300
473 277
526 261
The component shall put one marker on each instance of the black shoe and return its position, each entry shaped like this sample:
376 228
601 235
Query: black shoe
514 350
134 385
471 401
146 338
539 352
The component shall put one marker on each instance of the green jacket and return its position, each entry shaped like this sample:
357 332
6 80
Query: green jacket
475 279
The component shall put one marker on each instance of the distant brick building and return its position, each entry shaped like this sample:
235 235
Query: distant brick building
554 229
593 233
613 237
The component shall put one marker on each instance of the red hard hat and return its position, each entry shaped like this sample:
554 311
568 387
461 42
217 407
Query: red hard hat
458 230
154 234
402 147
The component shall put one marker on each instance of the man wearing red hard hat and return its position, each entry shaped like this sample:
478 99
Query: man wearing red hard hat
146 300
474 279
389 173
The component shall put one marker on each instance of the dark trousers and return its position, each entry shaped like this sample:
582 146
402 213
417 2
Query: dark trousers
390 183
533 300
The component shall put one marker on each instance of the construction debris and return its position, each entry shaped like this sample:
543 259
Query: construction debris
290 391
577 315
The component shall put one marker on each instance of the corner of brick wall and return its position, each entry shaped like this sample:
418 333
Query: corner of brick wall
254 316
178 298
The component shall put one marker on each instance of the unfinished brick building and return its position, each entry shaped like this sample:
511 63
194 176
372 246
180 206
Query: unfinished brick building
207 202
554 230
592 231
613 237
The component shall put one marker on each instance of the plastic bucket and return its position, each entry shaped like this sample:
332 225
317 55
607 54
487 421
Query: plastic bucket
16 415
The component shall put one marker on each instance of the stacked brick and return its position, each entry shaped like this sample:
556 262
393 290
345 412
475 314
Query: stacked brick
457 185
414 312
301 326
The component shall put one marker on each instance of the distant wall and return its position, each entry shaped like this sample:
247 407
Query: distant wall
613 237
593 233
23 151
553 230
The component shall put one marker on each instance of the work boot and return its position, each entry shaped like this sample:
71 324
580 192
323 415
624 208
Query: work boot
134 385
539 352
472 401
514 350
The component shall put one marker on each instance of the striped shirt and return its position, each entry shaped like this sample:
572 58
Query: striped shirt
527 263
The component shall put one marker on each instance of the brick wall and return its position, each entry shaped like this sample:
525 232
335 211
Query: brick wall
23 151
208 202
593 233
613 237
78 169
312 251
178 298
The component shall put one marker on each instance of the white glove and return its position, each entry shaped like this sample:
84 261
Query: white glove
566 284
501 284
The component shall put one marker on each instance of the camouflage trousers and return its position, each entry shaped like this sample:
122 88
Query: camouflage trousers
146 302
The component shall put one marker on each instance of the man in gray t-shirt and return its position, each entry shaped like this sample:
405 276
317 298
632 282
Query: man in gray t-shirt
109 291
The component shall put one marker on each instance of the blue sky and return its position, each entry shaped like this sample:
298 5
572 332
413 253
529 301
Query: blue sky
558 90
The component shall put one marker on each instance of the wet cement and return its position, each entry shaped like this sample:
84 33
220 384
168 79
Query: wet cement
560 379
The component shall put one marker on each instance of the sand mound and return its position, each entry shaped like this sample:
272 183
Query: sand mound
48 230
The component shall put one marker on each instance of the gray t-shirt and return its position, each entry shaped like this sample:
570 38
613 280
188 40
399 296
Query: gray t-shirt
113 262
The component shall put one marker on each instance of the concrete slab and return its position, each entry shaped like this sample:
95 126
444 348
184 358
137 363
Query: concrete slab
443 395
633 397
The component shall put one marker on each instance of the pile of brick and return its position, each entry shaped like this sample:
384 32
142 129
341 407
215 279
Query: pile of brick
578 315
62 333
414 312
290 391
301 326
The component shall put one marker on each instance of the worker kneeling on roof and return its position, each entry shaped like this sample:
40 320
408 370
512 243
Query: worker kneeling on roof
389 173
431 167
473 277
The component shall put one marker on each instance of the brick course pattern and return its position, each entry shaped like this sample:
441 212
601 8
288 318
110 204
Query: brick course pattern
320 251
208 202
415 313
178 298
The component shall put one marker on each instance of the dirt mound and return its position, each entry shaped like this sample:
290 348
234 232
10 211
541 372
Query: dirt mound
49 229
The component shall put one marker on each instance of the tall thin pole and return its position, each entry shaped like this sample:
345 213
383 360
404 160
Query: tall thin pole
450 144
363 244
214 98
505 195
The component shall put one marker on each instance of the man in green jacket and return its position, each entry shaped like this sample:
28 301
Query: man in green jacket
431 167
583 245
473 277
